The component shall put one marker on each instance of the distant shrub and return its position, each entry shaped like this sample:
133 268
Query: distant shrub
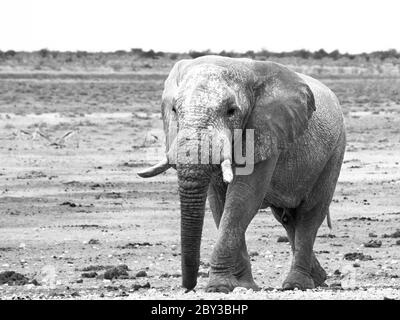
304 54
81 54
230 54
9 54
335 54
196 54
383 55
365 56
173 56
320 54
348 56
149 54
137 51
120 52
44 53
249 54
263 54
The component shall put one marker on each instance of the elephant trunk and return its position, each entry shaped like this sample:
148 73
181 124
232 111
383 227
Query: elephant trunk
193 179
193 185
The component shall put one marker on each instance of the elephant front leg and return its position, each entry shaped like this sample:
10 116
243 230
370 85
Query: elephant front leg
244 197
242 272
230 265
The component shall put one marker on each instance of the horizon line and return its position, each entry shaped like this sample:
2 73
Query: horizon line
209 51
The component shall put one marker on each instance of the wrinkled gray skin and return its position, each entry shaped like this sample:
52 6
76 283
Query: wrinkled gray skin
299 147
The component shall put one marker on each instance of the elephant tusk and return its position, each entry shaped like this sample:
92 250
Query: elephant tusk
227 172
226 154
160 167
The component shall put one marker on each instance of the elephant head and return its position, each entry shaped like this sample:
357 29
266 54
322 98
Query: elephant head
218 94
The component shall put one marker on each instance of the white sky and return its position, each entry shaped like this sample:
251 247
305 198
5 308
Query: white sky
182 25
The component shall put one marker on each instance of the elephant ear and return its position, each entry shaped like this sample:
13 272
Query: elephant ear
283 105
169 97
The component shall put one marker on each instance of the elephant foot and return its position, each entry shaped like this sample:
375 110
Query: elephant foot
318 274
299 280
227 284
245 278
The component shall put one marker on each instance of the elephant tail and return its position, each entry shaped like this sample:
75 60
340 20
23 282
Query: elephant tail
328 220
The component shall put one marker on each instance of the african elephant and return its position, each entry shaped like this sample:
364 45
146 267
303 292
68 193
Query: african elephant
299 143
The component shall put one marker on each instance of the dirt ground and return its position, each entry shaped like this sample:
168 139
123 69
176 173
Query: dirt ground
72 206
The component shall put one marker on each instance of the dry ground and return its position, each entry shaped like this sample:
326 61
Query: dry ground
75 204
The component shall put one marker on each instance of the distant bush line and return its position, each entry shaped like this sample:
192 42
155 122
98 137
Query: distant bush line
304 54
318 63
70 56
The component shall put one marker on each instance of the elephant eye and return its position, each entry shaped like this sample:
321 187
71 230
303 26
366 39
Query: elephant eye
231 111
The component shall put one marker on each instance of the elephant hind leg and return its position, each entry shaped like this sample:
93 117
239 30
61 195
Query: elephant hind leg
287 218
306 272
318 273
295 279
